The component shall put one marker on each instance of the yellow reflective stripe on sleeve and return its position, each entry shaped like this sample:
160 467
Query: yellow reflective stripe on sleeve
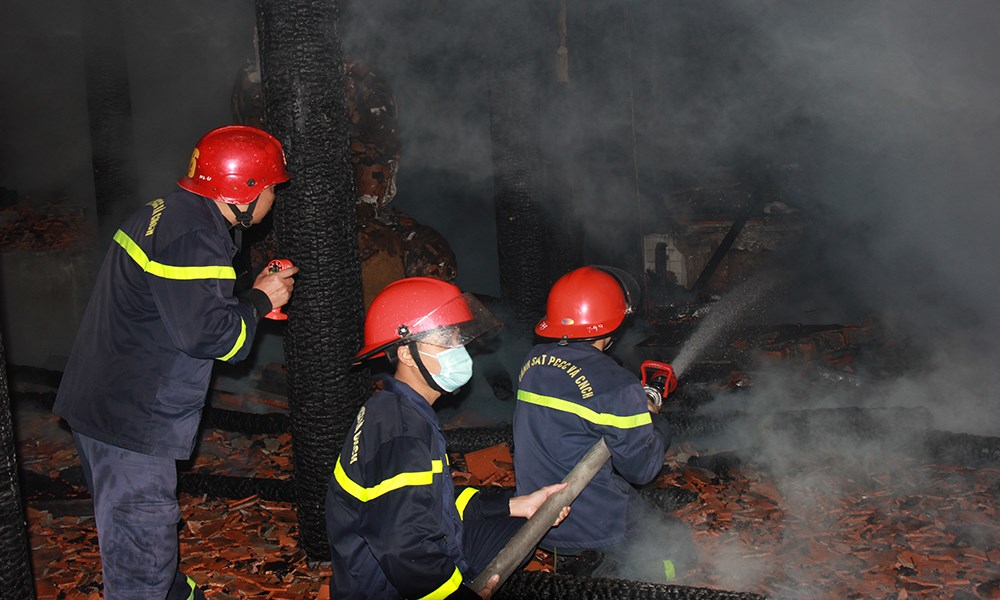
463 500
447 588
393 483
585 413
239 342
194 586
170 271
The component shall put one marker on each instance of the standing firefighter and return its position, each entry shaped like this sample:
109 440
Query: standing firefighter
162 310
396 526
570 395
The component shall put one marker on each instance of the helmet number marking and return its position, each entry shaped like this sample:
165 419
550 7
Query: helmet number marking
193 163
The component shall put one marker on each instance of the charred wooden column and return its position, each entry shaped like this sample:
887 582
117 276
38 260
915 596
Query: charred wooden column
316 226
522 231
109 109
16 580
566 235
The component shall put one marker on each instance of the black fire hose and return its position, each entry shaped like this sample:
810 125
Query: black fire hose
525 540
539 585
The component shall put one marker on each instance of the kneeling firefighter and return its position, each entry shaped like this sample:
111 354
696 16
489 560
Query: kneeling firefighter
570 395
397 526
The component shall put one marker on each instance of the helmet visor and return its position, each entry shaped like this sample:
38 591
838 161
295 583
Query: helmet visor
455 323
630 287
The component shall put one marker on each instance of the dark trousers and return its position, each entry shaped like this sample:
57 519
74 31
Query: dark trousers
482 540
135 506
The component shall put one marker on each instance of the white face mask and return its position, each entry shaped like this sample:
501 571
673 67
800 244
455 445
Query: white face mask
456 368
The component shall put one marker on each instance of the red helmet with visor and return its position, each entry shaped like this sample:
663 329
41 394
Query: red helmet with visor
426 310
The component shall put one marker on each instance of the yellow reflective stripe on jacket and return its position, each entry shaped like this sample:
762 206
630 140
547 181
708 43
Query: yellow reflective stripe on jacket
170 271
447 588
463 500
183 274
239 342
585 413
393 483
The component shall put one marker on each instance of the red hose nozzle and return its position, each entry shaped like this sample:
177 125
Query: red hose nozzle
277 264
658 380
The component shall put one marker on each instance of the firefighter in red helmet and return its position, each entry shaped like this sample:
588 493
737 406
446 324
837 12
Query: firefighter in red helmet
397 526
585 305
162 311
237 166
571 394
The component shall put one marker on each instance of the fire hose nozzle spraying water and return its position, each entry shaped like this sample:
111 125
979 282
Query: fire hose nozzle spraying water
658 380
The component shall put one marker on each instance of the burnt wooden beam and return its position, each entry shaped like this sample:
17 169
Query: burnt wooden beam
316 226
16 579
720 252
109 112
521 220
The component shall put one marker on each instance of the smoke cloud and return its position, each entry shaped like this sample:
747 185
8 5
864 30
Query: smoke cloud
885 114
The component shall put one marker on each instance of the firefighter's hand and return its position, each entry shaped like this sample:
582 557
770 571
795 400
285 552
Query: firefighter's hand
278 286
491 586
525 506
653 408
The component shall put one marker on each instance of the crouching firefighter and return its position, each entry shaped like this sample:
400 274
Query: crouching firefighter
571 394
162 311
397 526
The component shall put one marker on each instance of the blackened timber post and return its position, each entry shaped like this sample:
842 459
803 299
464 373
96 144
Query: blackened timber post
16 580
522 223
316 227
109 112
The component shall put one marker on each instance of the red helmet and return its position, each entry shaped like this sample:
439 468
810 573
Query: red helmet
586 304
234 164
425 309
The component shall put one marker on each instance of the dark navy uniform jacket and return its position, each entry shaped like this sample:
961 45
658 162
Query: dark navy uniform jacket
392 517
568 398
161 312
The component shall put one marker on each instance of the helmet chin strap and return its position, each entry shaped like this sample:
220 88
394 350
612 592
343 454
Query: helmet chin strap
244 218
415 353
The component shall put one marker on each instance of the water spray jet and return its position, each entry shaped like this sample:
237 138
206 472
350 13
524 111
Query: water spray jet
722 315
